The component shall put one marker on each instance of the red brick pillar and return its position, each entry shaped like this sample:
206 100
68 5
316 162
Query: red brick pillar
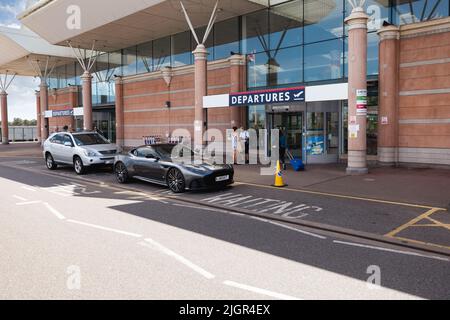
388 95
44 107
201 90
236 69
4 113
120 134
86 80
38 116
357 95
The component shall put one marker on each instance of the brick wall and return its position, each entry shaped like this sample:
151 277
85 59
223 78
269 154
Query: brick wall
424 93
145 97
62 99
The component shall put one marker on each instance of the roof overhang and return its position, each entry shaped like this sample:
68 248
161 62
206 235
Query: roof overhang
20 46
120 24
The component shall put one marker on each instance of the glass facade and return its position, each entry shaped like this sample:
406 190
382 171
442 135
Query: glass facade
290 42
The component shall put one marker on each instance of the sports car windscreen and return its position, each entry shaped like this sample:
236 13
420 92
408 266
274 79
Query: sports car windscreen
166 151
89 139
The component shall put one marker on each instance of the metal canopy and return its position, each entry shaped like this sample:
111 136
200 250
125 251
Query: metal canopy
122 24
22 46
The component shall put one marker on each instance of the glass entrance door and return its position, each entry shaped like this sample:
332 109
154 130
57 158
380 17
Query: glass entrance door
104 122
322 132
291 124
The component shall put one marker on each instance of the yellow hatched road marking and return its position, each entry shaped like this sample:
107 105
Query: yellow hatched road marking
413 222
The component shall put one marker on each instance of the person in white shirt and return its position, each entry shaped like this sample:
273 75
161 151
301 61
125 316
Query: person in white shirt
234 144
245 140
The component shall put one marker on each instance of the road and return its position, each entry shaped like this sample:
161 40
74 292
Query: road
66 238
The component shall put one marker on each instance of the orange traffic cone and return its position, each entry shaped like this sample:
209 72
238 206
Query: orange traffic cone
279 177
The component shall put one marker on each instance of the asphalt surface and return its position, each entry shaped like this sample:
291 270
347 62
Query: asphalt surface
140 245
355 213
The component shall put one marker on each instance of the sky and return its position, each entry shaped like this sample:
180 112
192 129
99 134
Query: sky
21 93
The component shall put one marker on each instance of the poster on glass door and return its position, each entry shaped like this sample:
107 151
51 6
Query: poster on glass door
315 145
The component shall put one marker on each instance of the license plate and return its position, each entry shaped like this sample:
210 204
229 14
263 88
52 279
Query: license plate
222 178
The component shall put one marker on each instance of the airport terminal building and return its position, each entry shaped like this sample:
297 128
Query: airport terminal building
375 82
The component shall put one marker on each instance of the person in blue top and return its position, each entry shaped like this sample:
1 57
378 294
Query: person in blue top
282 148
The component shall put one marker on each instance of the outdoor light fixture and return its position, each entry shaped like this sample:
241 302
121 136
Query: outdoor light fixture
167 105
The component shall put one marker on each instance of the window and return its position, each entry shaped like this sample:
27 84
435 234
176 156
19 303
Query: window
372 53
144 57
257 117
324 20
181 49
129 61
286 66
161 53
145 152
286 22
406 12
67 139
255 32
323 60
226 38
257 71
57 139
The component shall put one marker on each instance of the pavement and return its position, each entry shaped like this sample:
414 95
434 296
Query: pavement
250 241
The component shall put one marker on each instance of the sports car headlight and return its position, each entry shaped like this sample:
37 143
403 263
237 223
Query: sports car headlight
195 168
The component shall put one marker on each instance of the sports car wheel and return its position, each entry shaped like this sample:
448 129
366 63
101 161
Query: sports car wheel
175 181
121 173
50 162
78 166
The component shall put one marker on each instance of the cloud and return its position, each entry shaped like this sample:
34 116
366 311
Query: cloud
9 9
21 96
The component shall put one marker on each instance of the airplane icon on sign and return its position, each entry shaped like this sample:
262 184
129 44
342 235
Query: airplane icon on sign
298 96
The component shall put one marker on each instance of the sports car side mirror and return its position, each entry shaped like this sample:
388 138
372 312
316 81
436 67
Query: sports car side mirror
151 156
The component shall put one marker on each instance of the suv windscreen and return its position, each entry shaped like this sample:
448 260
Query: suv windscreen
89 139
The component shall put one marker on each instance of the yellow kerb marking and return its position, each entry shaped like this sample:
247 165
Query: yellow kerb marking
342 196
423 243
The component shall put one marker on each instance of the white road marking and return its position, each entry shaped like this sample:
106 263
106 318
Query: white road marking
135 235
390 250
298 230
181 259
27 203
259 291
19 198
54 211
29 189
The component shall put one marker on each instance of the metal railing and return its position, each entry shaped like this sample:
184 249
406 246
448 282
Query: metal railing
21 134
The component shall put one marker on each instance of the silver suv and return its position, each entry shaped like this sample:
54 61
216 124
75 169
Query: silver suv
81 150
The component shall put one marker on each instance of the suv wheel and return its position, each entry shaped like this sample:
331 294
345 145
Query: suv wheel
50 162
78 166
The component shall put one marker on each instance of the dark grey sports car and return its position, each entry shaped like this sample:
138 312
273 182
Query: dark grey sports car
170 165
